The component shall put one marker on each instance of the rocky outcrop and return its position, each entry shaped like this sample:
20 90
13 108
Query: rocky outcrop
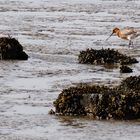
104 56
101 102
10 48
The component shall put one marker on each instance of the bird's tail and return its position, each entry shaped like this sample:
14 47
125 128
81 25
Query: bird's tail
138 34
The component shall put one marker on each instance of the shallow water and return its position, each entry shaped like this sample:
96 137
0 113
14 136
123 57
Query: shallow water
52 33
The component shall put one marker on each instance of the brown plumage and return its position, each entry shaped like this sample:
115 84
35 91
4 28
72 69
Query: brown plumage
127 34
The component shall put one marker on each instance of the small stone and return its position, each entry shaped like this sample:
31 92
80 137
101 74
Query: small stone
51 112
125 69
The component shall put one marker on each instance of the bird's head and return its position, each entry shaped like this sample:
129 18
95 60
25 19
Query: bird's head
115 30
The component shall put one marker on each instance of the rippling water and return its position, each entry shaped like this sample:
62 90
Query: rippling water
52 33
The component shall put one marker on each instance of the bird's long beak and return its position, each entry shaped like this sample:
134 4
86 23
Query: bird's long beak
109 36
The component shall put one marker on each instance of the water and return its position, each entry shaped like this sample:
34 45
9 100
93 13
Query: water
52 33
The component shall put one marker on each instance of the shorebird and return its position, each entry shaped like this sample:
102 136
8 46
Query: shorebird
128 34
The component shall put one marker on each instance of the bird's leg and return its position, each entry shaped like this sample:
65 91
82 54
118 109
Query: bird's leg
130 43
0 53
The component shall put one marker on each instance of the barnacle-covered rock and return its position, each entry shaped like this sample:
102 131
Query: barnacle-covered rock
125 69
101 102
10 48
104 56
131 83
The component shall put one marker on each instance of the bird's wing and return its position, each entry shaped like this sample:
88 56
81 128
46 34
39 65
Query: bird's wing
128 31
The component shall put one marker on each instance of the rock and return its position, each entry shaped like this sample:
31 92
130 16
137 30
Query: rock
51 112
101 102
104 56
125 69
10 48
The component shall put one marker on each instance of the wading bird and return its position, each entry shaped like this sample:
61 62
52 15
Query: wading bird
127 34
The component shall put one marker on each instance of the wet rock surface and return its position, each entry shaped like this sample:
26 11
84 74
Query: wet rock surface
101 102
104 56
10 48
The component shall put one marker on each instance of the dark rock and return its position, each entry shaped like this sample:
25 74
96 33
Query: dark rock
51 112
10 48
125 69
104 56
101 102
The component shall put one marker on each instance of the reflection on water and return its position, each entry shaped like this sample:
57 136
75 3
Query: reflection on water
52 33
